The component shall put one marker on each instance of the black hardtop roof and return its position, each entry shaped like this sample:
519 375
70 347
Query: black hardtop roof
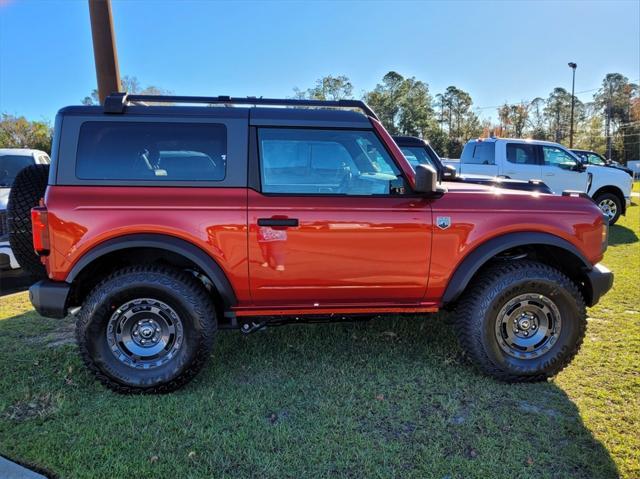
261 111
408 141
256 115
118 102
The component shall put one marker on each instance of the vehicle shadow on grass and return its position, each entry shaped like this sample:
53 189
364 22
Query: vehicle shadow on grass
392 385
621 235
385 398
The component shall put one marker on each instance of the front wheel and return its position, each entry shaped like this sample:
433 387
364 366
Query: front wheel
521 321
146 329
610 205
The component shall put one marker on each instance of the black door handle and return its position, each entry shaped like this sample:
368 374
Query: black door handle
282 222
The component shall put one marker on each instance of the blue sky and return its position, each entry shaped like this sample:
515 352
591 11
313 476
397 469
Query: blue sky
497 51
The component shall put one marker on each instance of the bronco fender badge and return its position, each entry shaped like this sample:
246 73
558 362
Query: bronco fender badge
443 222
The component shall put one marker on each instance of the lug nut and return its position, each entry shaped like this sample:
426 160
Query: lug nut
526 333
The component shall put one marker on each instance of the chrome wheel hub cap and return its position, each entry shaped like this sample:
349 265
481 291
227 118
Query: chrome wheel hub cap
609 208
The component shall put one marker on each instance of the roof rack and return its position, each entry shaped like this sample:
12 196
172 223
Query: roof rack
117 102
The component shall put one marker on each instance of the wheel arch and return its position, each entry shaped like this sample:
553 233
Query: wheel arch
613 190
170 246
544 247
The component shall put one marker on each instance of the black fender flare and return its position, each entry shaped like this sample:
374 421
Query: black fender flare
477 258
164 242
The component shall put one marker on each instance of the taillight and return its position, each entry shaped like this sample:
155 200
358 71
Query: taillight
40 228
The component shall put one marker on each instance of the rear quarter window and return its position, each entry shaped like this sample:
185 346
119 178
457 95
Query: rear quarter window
522 154
152 151
478 153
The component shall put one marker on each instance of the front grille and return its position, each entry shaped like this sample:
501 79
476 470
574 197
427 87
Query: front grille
4 227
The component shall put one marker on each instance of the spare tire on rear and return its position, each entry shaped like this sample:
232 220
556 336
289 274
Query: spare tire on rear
26 191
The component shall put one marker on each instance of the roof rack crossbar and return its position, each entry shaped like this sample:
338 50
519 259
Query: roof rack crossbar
117 102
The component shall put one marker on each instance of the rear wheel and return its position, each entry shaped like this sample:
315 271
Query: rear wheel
26 191
146 329
521 321
610 205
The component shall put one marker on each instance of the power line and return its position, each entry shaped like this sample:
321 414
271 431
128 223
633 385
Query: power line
527 102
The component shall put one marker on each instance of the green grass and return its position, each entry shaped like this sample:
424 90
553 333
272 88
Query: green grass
380 399
636 186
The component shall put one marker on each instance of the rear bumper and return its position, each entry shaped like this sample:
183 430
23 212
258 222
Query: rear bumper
7 259
49 298
600 281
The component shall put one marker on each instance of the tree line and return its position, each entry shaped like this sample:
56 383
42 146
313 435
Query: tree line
608 124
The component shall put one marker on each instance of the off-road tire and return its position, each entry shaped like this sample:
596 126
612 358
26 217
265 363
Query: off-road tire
477 313
182 292
27 190
612 198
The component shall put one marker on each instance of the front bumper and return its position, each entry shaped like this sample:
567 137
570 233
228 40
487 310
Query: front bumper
627 203
600 280
49 298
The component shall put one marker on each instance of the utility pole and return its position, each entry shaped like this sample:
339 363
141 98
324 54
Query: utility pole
573 67
608 124
104 48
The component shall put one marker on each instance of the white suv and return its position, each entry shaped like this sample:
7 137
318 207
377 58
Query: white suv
12 160
552 163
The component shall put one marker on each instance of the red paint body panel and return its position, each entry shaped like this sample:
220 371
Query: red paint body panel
348 250
480 213
215 219
348 254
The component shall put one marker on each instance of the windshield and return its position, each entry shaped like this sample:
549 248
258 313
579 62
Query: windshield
10 166
590 158
594 159
416 155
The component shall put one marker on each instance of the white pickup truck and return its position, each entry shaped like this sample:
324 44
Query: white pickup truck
552 163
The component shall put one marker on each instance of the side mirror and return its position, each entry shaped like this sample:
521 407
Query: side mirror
449 172
426 180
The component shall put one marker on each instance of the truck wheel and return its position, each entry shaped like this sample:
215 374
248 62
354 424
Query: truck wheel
610 205
146 329
521 321
27 190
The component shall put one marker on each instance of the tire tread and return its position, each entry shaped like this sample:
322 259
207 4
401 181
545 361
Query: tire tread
478 299
185 285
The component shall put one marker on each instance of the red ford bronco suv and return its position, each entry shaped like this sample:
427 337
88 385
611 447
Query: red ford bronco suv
161 224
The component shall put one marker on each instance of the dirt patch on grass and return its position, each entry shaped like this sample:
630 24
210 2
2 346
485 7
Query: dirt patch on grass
32 408
63 334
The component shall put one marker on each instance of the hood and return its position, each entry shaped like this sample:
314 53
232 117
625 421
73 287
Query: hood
607 170
4 198
468 187
599 168
464 176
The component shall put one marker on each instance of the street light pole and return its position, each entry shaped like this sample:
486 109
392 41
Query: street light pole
104 48
573 67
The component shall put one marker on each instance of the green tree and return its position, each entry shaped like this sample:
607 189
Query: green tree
130 84
18 132
404 106
328 88
513 119
615 99
536 120
558 113
460 121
